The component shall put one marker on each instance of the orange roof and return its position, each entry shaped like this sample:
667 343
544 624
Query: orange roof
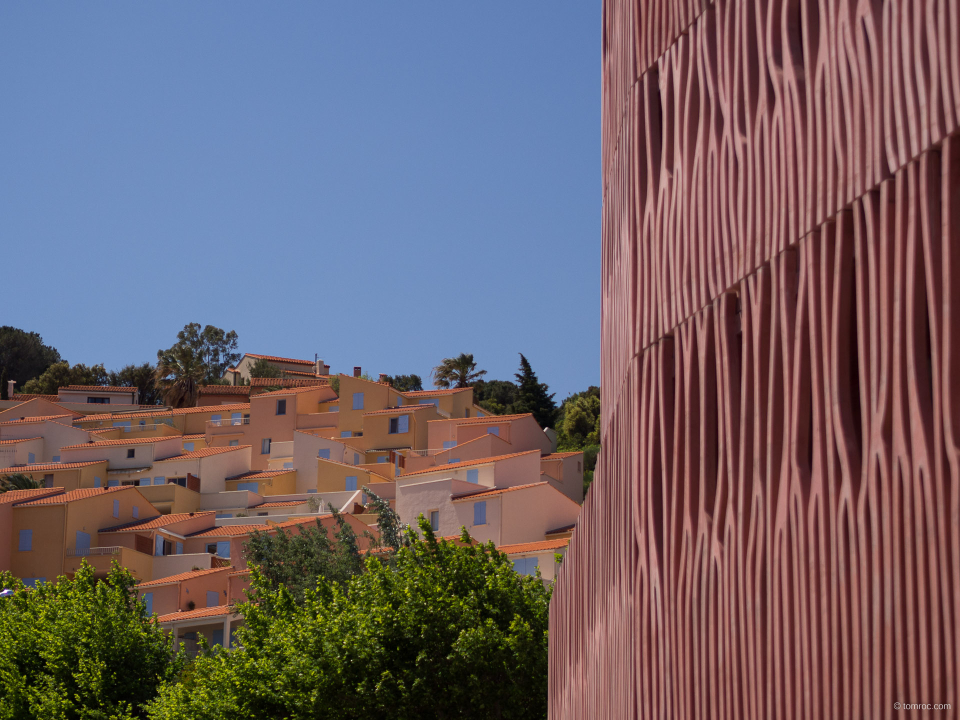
213 409
194 436
15 496
189 575
431 393
217 611
565 528
203 452
82 494
468 463
560 455
285 503
23 397
160 521
487 419
35 419
286 382
100 388
37 467
14 442
237 530
479 438
131 441
290 391
225 390
534 546
495 491
280 359
260 474
401 409
310 374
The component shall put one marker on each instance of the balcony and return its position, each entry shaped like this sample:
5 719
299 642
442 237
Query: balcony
139 564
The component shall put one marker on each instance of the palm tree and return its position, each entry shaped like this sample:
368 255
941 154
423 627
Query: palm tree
18 481
179 374
458 372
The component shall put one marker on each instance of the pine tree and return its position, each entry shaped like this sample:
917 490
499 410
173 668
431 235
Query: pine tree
534 396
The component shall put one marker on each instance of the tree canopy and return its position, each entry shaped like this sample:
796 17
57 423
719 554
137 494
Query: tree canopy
80 649
18 481
142 377
533 396
23 356
213 348
578 428
496 396
61 374
263 369
457 372
405 383
448 630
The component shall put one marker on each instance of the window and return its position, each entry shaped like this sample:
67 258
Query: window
136 513
265 446
179 548
159 480
143 481
525 566
473 475
288 466
382 459
31 458
480 414
236 419
220 516
113 483
188 446
216 637
223 548
334 408
351 482
233 443
56 458
282 407
82 543
358 401
453 460
143 422
158 546
480 513
324 453
215 420
435 520
148 603
213 598
131 452
251 486
447 444
263 514
116 508
96 482
400 424
98 400
493 431
48 480
32 582
311 490
346 433
26 541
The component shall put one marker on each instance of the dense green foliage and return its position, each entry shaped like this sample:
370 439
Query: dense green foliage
18 481
263 369
215 348
61 374
458 372
578 428
23 356
80 649
405 383
448 631
199 357
534 396
141 377
495 396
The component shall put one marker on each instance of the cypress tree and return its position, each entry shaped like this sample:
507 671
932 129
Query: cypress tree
534 396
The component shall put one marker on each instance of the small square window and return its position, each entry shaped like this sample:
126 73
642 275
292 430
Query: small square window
480 513
351 482
281 407
358 401
324 453
131 452
435 520
188 446
473 476
265 446
233 443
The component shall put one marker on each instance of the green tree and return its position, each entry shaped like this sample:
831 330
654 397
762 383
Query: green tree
61 374
446 631
297 560
80 649
391 530
213 348
178 375
533 396
263 369
142 377
406 383
23 355
18 481
496 396
578 428
458 372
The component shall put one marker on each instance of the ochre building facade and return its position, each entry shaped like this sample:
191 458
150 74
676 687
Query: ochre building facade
773 531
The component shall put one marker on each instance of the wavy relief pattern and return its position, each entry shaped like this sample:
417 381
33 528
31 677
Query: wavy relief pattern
774 531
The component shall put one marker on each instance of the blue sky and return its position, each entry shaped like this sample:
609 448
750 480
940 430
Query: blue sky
385 184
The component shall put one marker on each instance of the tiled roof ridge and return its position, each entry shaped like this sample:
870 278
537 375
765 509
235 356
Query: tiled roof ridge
34 419
37 467
497 491
277 358
122 441
252 474
18 440
468 463
401 408
533 546
438 391
188 575
202 453
163 412
102 388
164 520
289 391
79 494
484 419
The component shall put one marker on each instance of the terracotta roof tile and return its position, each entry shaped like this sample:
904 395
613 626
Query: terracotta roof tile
39 467
202 453
274 358
24 397
285 503
467 463
565 528
308 374
73 495
193 436
237 530
287 382
431 393
402 409
479 438
560 455
35 419
16 496
159 521
289 391
189 575
225 390
495 491
487 419
534 546
100 388
121 441
212 409
19 440
218 611
260 474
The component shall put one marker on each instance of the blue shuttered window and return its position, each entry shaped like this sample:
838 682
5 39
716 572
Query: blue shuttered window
473 475
251 486
148 603
116 508
480 513
447 444
351 482
223 548
324 453
358 401
26 541
435 520
213 598
82 543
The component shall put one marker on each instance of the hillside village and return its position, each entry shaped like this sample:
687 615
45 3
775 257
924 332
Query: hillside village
174 494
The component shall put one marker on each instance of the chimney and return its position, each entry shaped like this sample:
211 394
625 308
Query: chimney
10 386
383 377
356 371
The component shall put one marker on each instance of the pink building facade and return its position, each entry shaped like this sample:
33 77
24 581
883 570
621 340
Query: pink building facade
772 531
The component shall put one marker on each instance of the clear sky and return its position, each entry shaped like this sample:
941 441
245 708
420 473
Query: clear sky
383 183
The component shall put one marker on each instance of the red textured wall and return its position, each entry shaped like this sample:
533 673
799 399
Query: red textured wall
774 531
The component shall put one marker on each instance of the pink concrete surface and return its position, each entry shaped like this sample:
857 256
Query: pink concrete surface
773 528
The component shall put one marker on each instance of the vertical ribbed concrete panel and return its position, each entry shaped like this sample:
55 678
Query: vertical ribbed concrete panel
774 528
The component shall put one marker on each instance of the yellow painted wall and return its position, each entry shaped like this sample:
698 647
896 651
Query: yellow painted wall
332 476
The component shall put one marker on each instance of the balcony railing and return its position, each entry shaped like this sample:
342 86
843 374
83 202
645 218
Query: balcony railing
144 428
227 422
86 552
